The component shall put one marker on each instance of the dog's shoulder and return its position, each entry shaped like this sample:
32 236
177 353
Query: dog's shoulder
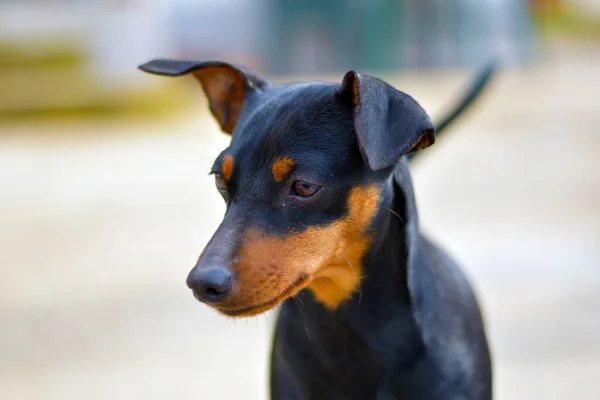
449 318
437 284
451 322
444 305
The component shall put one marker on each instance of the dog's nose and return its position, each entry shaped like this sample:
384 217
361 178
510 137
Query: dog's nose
212 286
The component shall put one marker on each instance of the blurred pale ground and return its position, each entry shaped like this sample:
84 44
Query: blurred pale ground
98 232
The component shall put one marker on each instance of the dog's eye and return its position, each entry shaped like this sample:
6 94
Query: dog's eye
220 182
304 189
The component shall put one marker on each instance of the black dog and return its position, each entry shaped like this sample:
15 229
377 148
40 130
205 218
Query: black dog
321 218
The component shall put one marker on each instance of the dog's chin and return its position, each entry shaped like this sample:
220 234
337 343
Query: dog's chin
249 311
252 310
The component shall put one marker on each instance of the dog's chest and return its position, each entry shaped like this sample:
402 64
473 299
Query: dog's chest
334 359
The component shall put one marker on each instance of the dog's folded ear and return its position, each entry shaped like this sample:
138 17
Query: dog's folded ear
388 122
226 85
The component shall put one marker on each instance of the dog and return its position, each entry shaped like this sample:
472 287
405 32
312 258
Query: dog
321 220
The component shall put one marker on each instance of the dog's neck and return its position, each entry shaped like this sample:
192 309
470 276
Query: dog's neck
383 299
385 264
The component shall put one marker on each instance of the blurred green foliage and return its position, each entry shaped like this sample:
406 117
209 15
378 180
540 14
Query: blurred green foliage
565 20
50 78
40 55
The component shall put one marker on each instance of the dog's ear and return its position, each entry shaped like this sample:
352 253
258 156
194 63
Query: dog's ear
388 122
226 85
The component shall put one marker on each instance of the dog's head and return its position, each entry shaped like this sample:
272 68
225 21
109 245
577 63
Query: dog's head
301 178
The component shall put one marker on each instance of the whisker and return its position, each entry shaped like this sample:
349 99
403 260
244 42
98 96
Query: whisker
357 276
291 283
287 274
396 214
306 329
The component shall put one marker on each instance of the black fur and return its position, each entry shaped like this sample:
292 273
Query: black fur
413 330
388 122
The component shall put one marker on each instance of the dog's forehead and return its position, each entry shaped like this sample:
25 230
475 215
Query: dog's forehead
305 122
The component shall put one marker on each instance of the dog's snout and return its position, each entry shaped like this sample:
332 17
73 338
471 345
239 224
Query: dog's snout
211 286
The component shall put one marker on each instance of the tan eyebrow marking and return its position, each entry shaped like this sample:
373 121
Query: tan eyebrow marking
281 168
227 167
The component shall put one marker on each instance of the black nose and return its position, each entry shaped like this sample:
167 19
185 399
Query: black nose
211 286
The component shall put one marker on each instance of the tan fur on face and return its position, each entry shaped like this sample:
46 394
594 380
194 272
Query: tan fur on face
227 167
327 260
281 168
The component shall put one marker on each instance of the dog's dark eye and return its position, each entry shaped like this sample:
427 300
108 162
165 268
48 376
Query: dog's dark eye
304 189
220 182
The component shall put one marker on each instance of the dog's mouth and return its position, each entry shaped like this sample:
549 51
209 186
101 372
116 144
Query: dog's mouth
249 311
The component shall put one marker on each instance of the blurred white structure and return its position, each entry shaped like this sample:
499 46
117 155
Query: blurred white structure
120 34
587 6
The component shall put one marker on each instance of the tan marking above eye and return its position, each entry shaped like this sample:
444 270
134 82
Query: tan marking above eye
227 167
281 168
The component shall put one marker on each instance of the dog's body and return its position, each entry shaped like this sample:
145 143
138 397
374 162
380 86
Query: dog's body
412 332
321 216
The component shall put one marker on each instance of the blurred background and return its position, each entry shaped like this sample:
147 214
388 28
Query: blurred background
106 203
